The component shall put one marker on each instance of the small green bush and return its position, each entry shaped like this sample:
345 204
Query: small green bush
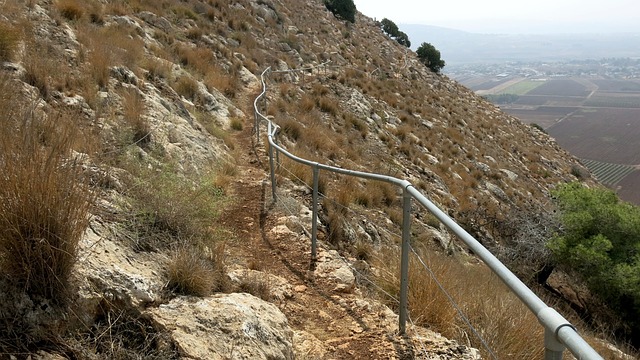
430 57
170 209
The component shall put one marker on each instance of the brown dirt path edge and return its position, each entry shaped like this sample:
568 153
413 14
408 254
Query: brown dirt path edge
346 329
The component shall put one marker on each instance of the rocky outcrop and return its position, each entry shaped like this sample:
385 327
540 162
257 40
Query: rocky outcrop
108 269
226 326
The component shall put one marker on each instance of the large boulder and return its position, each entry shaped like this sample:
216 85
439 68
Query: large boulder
226 326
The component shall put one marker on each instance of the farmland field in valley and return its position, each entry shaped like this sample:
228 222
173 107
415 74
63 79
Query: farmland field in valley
596 119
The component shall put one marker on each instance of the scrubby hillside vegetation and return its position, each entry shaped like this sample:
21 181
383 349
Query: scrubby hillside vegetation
134 215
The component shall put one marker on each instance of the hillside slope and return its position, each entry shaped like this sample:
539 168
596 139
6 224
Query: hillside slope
157 96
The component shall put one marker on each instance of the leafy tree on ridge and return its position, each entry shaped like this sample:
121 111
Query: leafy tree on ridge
393 31
342 9
430 57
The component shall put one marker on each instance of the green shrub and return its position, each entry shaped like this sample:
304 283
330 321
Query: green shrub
430 57
600 240
170 209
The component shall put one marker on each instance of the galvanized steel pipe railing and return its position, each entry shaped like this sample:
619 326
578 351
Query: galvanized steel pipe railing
559 333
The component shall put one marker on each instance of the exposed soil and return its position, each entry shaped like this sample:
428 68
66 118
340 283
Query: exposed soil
346 327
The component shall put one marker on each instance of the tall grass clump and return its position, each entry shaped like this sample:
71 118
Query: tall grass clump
70 9
44 205
192 271
133 111
8 42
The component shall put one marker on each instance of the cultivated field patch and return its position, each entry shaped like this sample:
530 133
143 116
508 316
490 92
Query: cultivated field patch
523 87
560 87
614 99
608 135
608 174
490 84
617 85
545 116
628 187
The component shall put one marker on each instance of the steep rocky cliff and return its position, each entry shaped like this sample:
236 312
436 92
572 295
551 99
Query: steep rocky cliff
160 96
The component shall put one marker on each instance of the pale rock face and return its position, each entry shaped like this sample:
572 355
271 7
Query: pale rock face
359 104
307 346
334 268
226 326
107 268
279 287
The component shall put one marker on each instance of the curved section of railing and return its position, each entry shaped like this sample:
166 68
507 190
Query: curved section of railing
559 333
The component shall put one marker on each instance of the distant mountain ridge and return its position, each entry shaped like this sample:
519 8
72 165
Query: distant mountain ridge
461 47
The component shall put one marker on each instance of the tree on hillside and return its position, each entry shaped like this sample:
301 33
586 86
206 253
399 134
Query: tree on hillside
342 9
403 39
391 29
430 57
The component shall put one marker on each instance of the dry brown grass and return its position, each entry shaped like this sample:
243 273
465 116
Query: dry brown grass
157 68
228 84
186 86
290 127
509 328
120 332
133 111
194 272
44 204
328 105
42 68
71 9
110 46
336 223
197 59
236 123
9 37
506 325
256 284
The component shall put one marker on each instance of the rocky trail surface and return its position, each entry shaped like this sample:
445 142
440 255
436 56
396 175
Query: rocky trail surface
330 316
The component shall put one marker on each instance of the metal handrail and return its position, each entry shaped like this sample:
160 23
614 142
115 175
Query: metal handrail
559 332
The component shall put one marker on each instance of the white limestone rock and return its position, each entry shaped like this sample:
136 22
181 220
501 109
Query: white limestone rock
226 326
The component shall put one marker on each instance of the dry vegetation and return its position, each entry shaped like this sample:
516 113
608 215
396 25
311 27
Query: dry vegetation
44 210
409 125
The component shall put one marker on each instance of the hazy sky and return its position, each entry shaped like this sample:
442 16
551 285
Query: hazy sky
511 16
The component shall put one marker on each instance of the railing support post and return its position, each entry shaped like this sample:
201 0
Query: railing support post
275 140
552 322
255 125
404 261
264 103
273 173
258 129
553 349
314 215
